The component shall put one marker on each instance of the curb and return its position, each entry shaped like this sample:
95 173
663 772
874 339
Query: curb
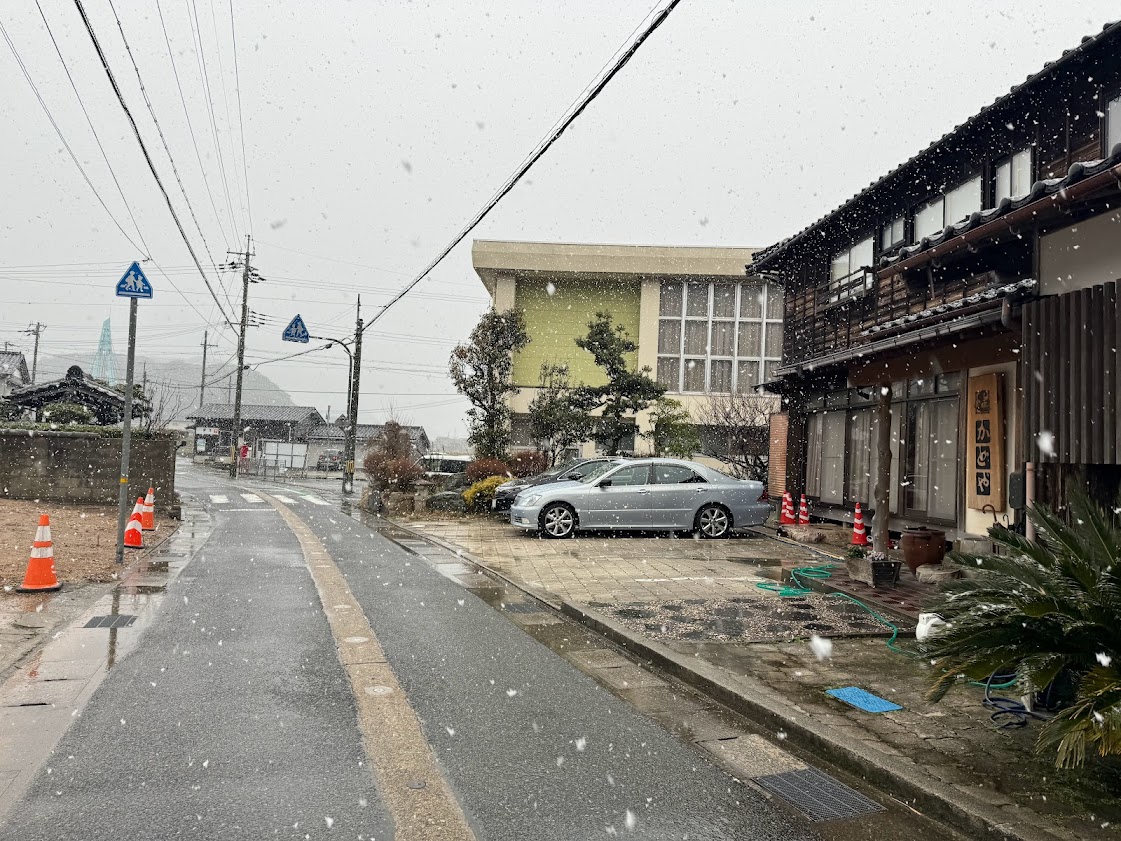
899 777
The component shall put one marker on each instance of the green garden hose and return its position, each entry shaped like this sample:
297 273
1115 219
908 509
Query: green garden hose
822 571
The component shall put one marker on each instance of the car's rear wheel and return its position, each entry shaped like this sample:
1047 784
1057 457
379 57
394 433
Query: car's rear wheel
713 521
558 520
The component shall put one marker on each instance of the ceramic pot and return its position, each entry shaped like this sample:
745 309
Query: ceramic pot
923 546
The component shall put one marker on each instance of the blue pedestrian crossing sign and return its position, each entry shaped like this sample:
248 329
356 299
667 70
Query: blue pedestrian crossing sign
134 284
296 331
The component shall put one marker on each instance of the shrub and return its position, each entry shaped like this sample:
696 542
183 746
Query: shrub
385 462
1049 610
481 468
67 413
400 474
482 492
529 463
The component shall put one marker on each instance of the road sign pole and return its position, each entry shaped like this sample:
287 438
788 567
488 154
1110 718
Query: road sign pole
123 512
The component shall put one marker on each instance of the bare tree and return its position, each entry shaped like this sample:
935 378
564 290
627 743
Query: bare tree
738 432
165 401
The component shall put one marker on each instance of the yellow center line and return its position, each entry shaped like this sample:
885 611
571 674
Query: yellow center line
411 784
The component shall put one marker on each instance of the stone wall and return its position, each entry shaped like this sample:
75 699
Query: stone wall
83 467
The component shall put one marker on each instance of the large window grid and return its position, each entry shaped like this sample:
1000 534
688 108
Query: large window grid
718 338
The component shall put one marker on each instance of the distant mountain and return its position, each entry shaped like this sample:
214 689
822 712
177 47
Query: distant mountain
178 380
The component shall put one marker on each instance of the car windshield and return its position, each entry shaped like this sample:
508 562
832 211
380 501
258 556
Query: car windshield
598 471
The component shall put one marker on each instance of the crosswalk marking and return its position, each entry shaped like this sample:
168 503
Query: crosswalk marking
218 499
251 498
284 499
314 500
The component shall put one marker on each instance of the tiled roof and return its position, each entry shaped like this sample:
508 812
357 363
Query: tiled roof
766 254
1008 290
274 414
365 432
1039 190
13 363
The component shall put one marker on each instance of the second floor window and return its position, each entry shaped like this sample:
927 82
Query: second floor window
1013 176
963 200
850 273
893 234
930 218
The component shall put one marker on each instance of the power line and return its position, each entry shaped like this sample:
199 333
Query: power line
159 130
241 124
66 145
585 101
196 31
190 127
89 121
225 97
148 158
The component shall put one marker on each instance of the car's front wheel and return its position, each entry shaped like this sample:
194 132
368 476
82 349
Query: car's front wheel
558 520
713 522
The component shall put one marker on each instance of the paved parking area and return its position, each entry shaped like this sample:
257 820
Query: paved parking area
663 587
622 569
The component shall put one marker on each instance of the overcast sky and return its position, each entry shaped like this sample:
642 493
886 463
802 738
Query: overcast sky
374 130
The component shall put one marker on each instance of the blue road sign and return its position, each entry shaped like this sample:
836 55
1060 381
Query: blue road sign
296 331
134 284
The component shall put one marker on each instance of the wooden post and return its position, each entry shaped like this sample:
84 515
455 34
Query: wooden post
883 471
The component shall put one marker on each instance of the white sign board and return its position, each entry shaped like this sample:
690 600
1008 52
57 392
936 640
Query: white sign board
285 455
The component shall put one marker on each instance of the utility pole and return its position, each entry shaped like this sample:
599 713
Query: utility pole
202 385
352 407
240 356
35 331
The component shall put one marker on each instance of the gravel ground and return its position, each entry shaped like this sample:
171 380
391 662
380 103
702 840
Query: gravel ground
763 618
84 537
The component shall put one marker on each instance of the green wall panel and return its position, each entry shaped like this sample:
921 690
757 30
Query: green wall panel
554 321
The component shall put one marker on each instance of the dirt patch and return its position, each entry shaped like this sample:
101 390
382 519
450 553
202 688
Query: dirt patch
84 538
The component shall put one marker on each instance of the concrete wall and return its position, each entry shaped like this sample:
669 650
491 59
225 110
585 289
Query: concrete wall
1082 255
83 467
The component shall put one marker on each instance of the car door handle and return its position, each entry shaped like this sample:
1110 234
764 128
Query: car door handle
643 490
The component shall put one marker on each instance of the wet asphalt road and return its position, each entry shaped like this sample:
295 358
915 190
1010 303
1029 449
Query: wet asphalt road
249 729
233 718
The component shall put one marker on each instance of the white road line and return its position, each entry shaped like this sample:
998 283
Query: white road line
314 500
251 498
284 499
218 499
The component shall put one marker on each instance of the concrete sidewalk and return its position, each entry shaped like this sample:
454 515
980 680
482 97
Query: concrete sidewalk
695 608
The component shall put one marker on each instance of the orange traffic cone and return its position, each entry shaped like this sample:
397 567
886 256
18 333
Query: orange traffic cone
40 575
148 512
134 531
859 536
803 512
787 516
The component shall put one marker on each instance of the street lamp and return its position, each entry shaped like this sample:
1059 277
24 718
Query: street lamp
350 431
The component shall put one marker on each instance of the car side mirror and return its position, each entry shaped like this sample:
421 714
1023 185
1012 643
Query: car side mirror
606 483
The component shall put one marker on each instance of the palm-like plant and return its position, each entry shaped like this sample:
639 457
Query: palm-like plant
1050 606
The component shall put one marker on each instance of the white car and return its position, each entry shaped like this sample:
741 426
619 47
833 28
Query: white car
644 494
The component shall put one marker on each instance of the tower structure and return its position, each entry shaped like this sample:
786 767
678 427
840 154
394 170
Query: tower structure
104 363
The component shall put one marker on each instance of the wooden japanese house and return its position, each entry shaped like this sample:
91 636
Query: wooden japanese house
977 281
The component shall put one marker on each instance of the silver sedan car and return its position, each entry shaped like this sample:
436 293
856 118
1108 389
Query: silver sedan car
644 494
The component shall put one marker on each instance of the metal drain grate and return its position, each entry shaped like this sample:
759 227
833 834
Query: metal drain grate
121 620
521 607
821 797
